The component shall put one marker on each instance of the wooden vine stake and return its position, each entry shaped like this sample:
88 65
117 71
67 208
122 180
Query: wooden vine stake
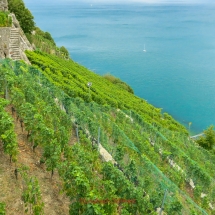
164 198
98 137
6 92
77 134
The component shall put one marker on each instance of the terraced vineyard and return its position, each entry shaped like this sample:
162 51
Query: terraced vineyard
153 163
72 78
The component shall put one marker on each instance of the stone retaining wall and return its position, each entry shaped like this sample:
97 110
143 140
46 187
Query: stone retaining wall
3 5
4 42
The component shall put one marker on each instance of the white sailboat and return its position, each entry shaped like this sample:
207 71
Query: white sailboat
144 48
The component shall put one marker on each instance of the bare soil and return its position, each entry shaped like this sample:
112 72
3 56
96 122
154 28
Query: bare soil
55 202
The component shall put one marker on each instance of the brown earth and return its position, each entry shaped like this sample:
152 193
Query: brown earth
55 202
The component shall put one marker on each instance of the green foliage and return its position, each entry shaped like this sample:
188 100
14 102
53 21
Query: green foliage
64 51
208 140
2 209
119 83
5 21
44 42
31 195
73 79
7 135
52 154
29 37
141 148
48 36
38 31
45 35
23 15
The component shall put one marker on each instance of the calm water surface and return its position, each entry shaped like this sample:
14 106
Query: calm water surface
177 71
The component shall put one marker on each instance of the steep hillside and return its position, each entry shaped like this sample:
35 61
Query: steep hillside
73 142
13 190
73 78
152 165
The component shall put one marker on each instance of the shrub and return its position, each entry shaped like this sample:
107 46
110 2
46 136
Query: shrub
5 21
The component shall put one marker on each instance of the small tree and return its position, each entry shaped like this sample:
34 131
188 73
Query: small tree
65 51
48 36
208 140
23 15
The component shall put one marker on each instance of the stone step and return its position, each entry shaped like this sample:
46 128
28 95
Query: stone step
14 31
14 51
17 51
14 44
16 58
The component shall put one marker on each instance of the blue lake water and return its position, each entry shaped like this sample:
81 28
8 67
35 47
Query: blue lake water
177 71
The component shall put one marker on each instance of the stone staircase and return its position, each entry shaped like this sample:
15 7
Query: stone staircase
15 44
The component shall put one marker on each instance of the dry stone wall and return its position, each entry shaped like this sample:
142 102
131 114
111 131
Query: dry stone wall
4 42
